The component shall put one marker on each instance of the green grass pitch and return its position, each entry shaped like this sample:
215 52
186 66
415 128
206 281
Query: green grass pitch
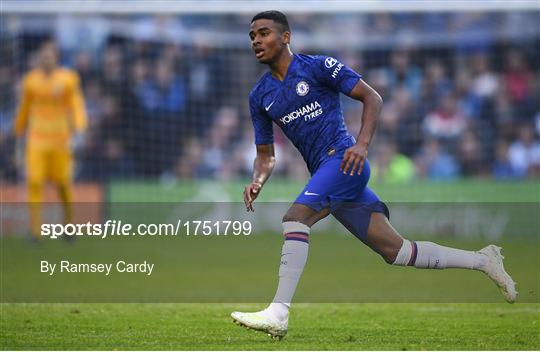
312 327
341 271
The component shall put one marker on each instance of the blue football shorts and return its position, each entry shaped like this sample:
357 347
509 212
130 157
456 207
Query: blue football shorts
347 197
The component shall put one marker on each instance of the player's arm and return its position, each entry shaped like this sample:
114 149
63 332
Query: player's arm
262 169
80 120
265 159
21 120
354 157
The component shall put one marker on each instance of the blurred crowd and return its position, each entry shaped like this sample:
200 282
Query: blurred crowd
163 103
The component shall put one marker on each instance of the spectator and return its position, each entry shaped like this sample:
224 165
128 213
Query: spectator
8 92
109 163
447 121
206 77
470 154
163 99
409 129
8 171
111 123
403 74
485 82
379 80
524 153
391 167
435 85
115 163
94 106
469 102
388 121
503 115
518 78
104 144
188 164
136 118
519 84
219 141
502 168
435 163
155 95
112 77
84 66
537 123
165 93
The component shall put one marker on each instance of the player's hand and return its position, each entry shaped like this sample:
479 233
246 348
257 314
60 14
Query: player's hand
250 194
353 159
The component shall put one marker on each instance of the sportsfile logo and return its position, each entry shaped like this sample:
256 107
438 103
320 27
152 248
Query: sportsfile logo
307 111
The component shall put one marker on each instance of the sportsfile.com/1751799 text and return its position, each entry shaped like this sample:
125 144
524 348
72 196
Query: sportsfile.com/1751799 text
120 228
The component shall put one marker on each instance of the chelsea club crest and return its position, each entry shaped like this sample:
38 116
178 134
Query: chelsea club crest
302 88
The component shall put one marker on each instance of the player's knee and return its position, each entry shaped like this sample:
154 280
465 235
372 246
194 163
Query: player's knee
296 220
294 216
290 218
304 215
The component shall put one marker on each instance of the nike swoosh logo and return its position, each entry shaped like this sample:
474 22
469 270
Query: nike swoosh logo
311 194
269 106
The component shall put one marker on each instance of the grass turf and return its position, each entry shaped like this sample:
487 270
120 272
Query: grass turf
343 326
244 269
312 326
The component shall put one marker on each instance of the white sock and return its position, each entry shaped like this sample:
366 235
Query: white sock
429 255
293 259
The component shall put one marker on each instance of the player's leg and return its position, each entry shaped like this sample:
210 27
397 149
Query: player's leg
310 206
296 223
61 171
387 242
365 216
394 249
367 219
36 160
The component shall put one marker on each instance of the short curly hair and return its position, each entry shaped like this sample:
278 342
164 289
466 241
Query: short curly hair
276 16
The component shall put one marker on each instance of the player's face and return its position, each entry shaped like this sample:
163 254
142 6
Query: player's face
49 56
267 40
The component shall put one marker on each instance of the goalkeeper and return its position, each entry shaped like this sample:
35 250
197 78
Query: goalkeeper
51 110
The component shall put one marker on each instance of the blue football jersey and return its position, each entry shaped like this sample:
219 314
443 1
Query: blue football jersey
306 106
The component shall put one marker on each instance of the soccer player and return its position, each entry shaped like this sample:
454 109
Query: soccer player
50 111
301 95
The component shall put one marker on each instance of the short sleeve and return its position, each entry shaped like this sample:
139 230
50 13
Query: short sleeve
262 124
334 74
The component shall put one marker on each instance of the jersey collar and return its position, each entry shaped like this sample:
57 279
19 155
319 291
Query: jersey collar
287 73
